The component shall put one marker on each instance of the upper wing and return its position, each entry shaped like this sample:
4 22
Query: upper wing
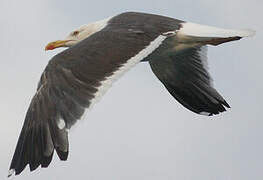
72 82
185 76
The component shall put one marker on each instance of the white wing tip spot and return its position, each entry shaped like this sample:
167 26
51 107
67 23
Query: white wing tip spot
205 113
11 172
61 124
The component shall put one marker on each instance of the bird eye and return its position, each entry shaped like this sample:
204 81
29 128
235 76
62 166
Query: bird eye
75 33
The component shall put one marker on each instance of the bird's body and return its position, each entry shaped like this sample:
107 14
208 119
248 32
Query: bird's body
99 54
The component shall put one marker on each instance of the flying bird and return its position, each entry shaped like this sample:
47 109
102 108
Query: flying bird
98 54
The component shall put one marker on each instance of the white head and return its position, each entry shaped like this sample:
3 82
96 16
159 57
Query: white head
78 35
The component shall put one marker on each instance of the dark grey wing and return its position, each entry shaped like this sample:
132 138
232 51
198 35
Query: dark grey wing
69 85
185 76
40 134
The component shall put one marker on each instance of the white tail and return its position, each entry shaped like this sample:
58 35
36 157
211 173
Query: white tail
197 30
196 34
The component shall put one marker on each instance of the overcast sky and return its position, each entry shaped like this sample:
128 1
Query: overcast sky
138 131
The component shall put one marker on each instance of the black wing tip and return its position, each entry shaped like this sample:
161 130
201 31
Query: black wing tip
46 161
39 137
226 104
34 166
63 155
13 171
219 108
43 163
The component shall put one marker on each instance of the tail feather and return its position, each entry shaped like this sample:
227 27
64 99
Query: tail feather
197 30
196 33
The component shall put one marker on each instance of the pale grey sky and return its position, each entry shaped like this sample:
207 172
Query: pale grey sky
138 131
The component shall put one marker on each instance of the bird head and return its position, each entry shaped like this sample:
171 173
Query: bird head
73 38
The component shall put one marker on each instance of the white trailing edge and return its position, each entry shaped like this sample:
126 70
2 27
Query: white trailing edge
107 83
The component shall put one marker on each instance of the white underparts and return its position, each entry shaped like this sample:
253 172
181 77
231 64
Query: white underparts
106 84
